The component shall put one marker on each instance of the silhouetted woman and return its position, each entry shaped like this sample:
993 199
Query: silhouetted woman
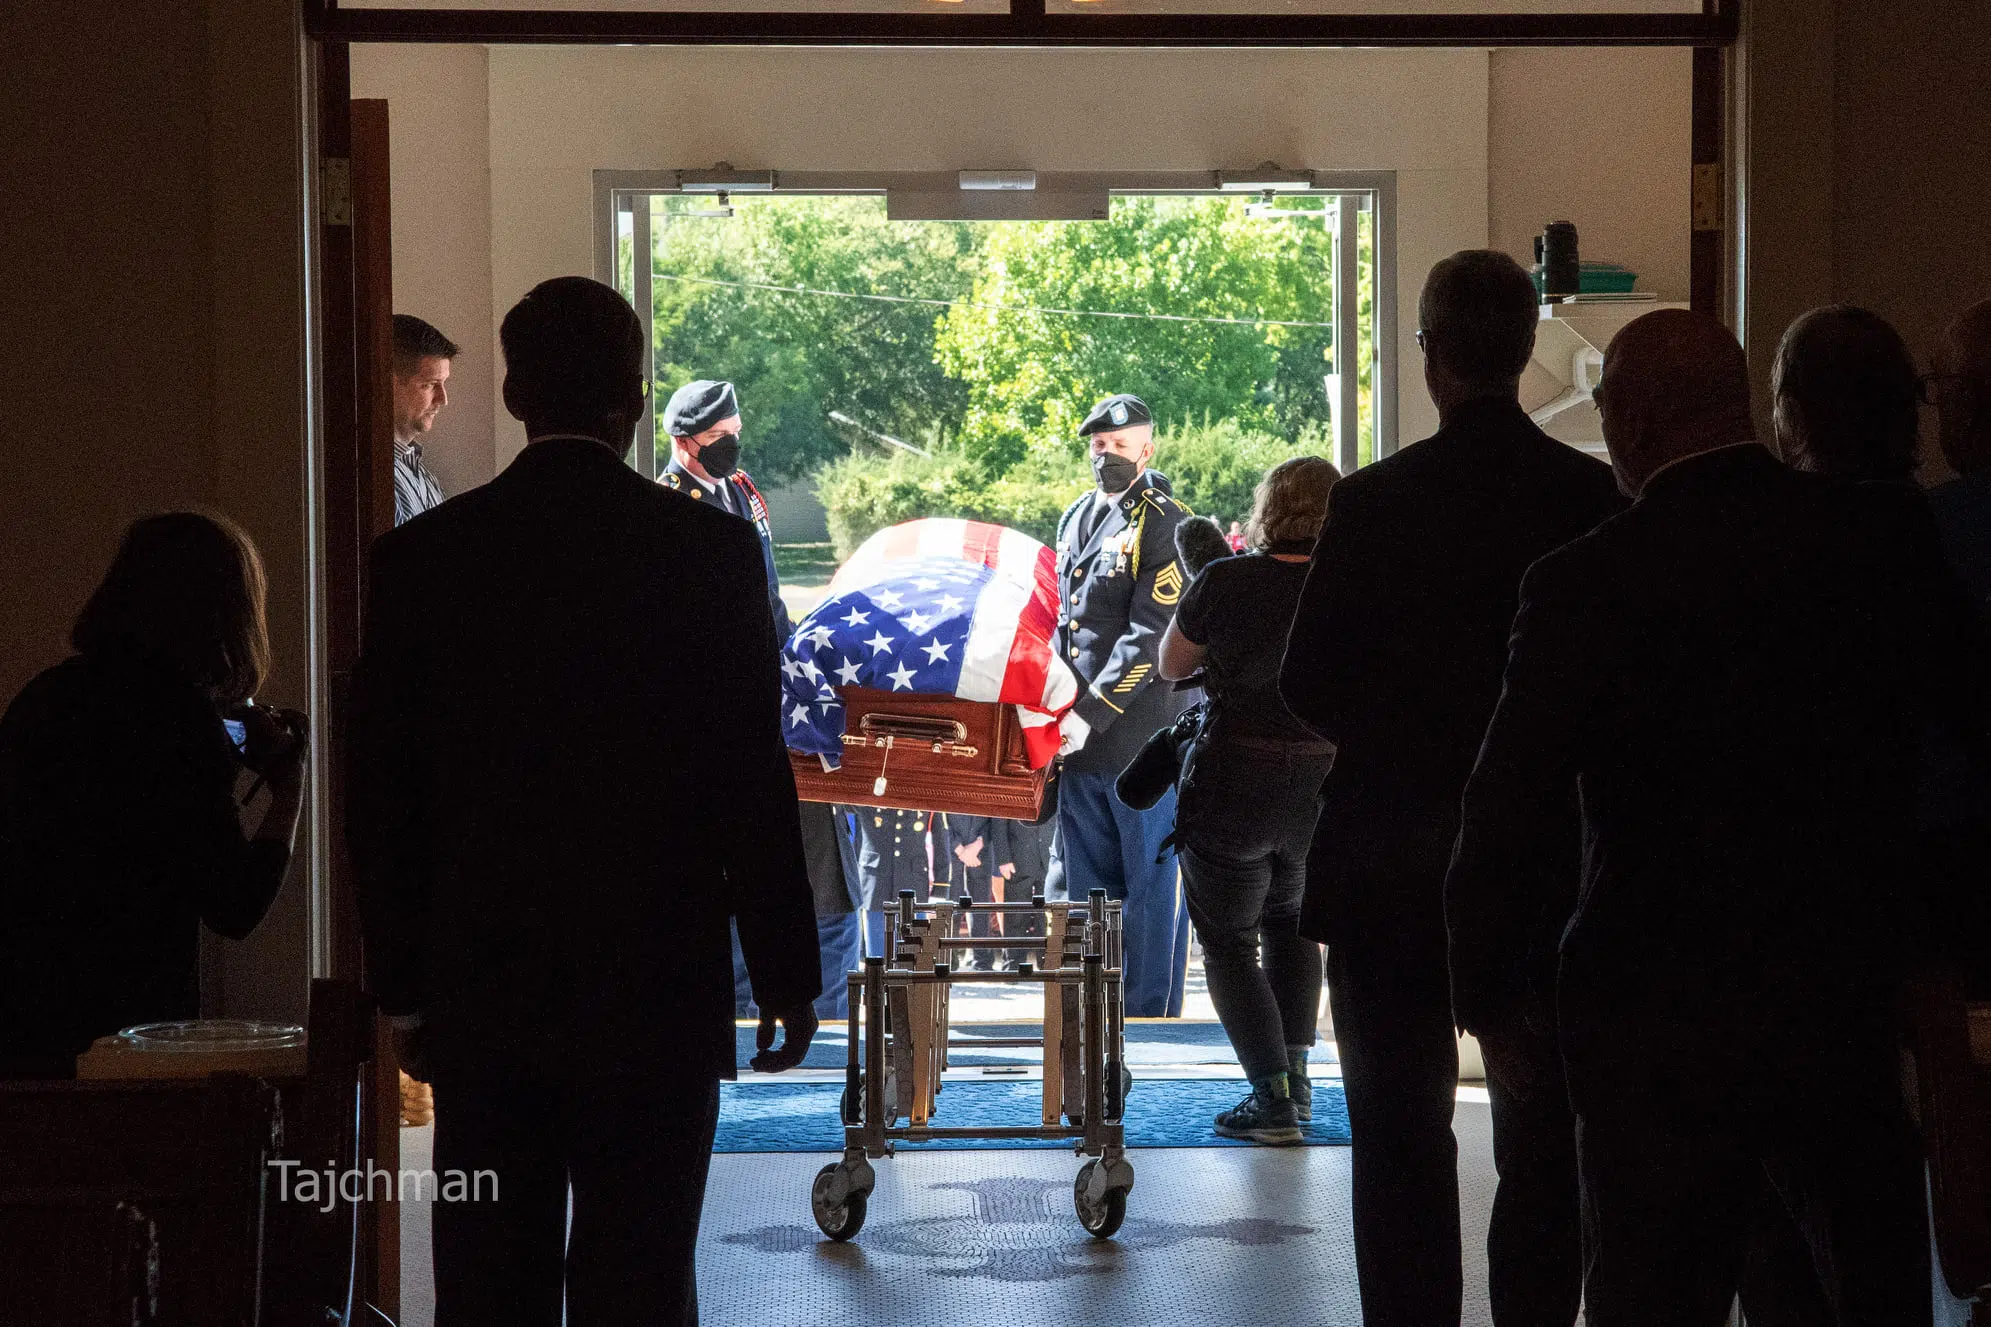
1843 403
120 832
1844 396
1249 796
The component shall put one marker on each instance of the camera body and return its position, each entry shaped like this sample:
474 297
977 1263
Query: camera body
265 734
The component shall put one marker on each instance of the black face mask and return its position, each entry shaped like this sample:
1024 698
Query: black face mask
720 457
1113 473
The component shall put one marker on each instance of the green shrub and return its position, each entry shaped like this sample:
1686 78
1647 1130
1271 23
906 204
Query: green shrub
1213 468
864 494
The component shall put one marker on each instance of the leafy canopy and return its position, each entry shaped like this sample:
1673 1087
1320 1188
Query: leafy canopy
795 358
1031 377
996 358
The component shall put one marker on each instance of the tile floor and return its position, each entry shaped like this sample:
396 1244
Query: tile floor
971 1237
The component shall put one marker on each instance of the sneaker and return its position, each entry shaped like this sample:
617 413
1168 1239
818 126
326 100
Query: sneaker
1262 1118
1299 1086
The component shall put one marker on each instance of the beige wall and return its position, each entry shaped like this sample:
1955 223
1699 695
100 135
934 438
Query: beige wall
1781 139
106 343
1601 138
1867 137
1487 146
558 114
440 159
151 338
1911 127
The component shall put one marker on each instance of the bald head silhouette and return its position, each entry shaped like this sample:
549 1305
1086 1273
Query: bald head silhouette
1675 384
1963 390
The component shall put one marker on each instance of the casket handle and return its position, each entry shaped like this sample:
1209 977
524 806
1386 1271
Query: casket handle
947 737
924 729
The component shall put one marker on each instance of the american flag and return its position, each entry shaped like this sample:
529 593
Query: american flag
933 608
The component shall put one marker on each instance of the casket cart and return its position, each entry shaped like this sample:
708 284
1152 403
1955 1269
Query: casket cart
899 1041
929 679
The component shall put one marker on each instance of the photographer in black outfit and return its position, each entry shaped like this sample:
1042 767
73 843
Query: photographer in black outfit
1249 797
120 833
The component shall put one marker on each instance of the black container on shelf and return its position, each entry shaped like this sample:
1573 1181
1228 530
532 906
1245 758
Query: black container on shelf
1556 251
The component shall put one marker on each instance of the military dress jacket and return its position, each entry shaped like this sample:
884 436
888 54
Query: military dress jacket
1118 584
1018 843
895 852
736 494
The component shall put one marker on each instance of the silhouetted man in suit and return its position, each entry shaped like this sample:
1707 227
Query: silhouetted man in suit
1395 656
566 770
1956 805
1960 386
1733 675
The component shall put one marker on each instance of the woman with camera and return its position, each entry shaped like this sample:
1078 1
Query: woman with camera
1248 799
120 831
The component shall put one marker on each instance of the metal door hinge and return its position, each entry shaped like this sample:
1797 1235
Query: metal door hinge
335 191
1706 205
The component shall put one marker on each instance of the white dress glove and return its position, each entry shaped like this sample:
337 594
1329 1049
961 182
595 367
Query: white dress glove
1072 732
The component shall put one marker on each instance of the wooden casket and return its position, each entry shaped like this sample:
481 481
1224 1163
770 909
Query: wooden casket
927 753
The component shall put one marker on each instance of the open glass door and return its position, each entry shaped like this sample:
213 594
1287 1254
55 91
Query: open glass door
980 314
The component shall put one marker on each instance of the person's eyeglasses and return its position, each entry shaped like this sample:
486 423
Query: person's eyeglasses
1421 344
1930 386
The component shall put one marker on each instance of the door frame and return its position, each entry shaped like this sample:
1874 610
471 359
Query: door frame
347 365
1027 23
1377 190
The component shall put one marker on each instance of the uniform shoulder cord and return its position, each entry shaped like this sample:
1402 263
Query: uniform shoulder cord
1140 525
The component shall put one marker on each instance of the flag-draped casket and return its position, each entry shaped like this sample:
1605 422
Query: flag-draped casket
928 678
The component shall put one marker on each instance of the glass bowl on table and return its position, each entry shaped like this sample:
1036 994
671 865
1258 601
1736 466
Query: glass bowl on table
194 1048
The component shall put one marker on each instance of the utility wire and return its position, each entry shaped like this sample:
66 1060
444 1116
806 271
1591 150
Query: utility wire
976 304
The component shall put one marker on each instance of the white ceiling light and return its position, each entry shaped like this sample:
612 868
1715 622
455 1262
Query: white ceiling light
999 180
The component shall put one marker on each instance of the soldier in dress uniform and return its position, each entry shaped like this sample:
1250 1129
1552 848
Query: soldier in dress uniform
996 861
894 852
1021 872
972 845
1119 581
703 421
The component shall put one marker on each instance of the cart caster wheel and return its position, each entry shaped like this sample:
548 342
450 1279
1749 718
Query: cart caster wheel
1103 1217
840 1221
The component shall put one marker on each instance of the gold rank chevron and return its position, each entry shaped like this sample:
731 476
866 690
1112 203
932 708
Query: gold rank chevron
1132 679
1168 584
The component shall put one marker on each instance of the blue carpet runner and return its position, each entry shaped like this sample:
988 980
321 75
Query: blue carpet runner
1150 1042
1161 1112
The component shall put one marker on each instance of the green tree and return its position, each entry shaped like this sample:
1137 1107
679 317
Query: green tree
796 357
1228 277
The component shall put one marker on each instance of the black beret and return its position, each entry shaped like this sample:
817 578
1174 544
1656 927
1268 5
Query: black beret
697 406
1116 412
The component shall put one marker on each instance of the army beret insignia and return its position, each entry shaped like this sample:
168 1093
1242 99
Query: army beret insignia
1116 412
697 406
